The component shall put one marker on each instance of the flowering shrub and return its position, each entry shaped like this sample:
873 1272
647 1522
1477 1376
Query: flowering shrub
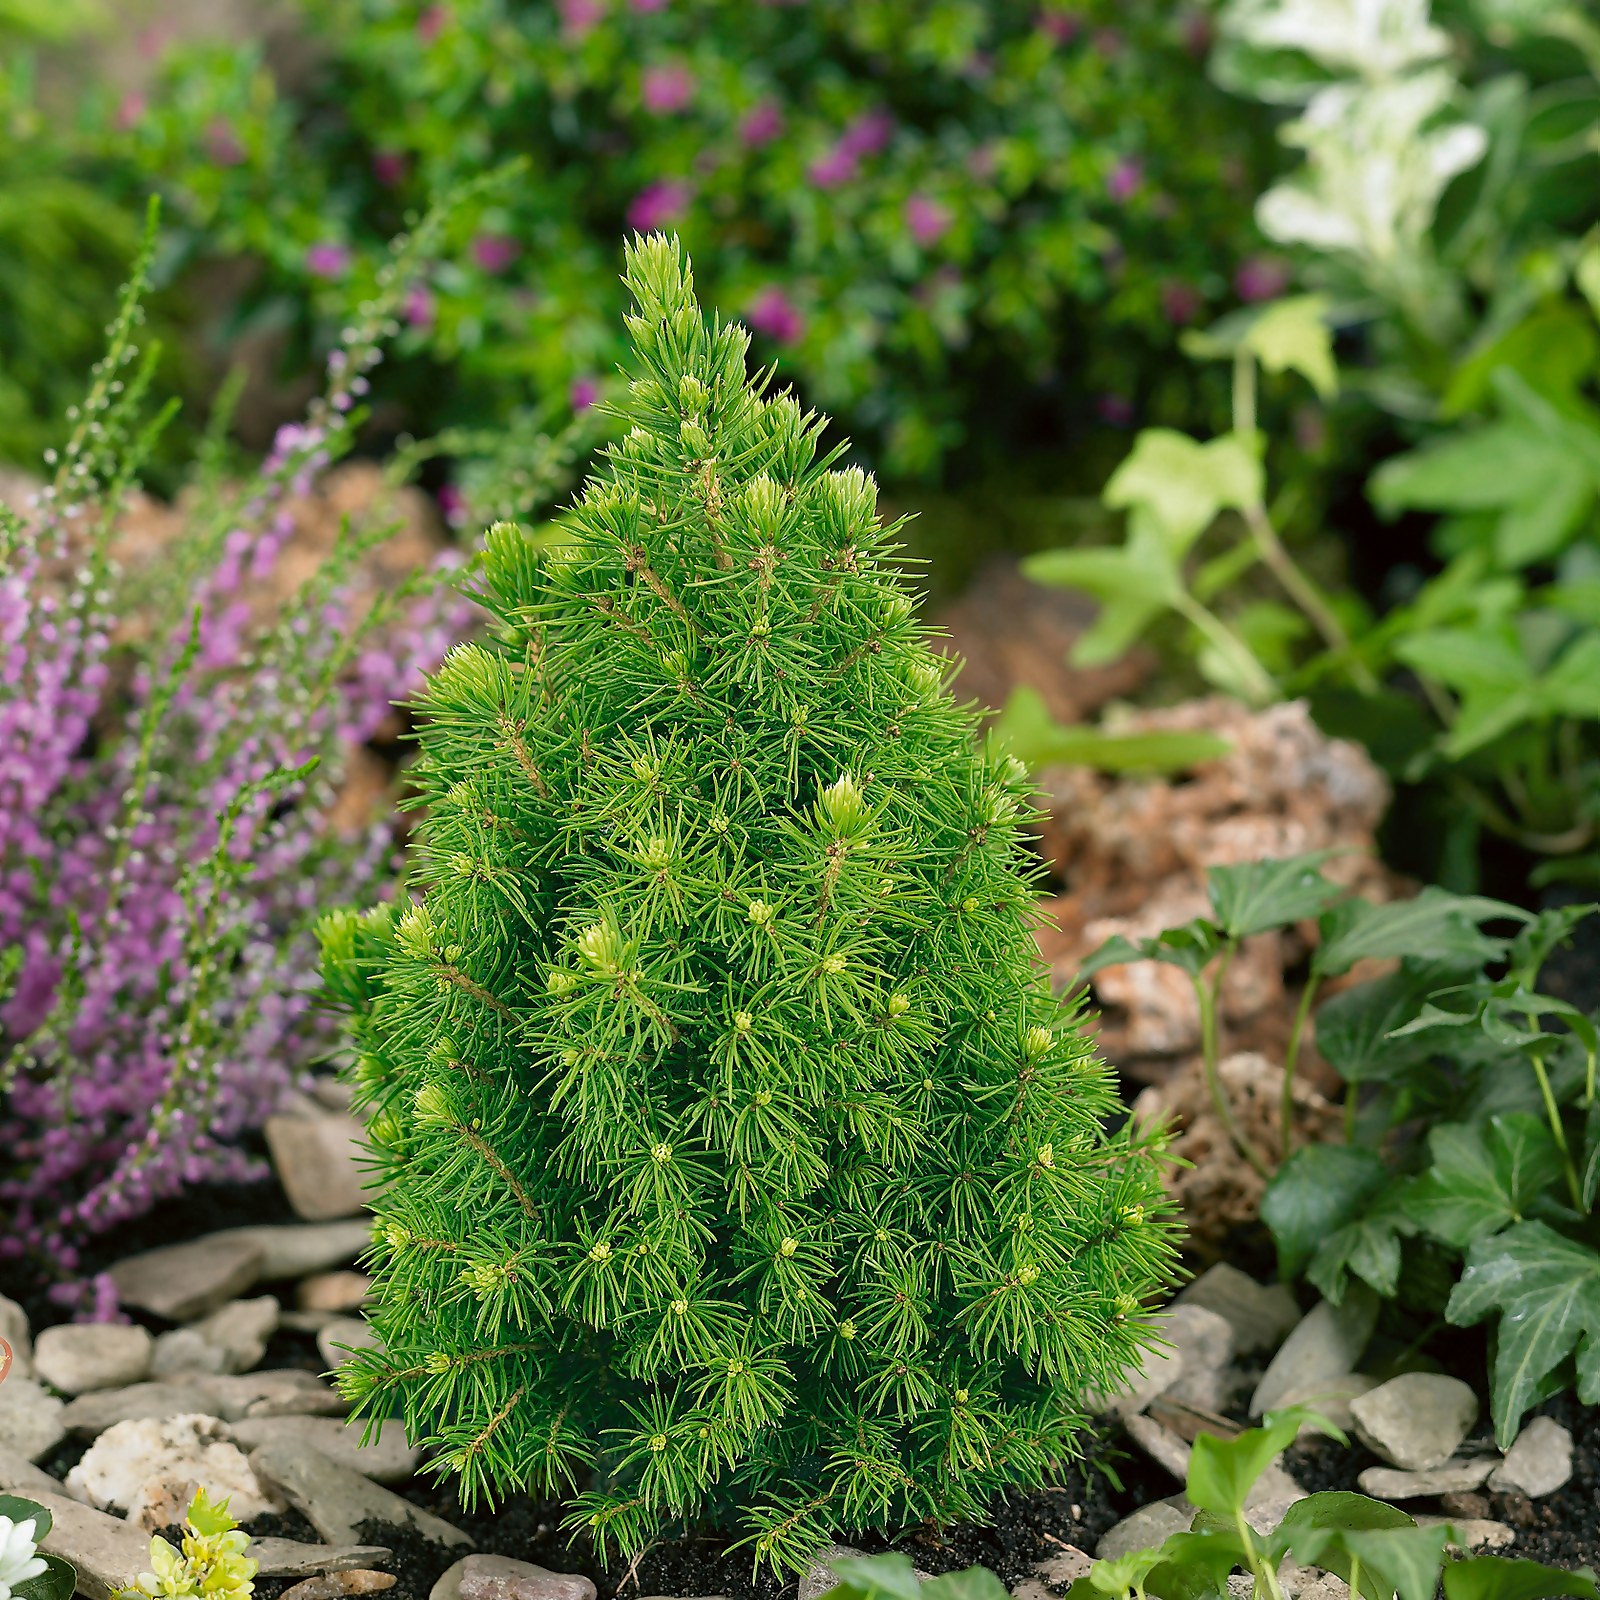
212 1564
897 196
163 846
735 1146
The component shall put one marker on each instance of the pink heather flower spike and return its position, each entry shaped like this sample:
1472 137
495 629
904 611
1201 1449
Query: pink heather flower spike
927 220
666 89
432 23
830 171
657 205
327 260
1125 180
389 167
584 392
775 315
1261 277
221 143
1181 302
761 124
494 252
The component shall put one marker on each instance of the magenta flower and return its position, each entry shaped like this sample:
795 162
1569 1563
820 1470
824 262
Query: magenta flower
774 314
327 260
657 204
666 89
1061 26
762 124
1124 180
494 252
832 170
1261 278
431 23
927 220
868 134
1107 42
579 17
584 392
453 504
130 111
420 307
1181 302
222 143
388 167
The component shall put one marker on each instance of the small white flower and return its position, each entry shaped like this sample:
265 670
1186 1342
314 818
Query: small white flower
19 1555
1372 38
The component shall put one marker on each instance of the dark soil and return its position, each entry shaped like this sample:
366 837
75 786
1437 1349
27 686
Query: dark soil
1560 1530
1026 1529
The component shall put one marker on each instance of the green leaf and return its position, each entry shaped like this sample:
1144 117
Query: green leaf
20 1510
1508 1578
1223 1471
1134 584
1369 1247
1117 1576
890 1574
1404 1561
57 1582
1435 926
975 1583
1115 952
1292 335
1038 740
1547 1290
1550 928
1259 895
1591 1160
1192 947
1316 1531
1317 1191
1489 468
1481 1179
1184 484
1355 1028
1196 1565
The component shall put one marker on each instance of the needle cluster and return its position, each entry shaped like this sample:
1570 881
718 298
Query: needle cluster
738 1162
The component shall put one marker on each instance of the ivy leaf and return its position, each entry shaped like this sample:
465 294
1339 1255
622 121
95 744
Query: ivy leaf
1192 947
974 1583
1547 1289
1406 1560
1357 1028
1552 927
1195 1566
1481 1179
890 1574
1323 1530
1184 484
1369 1247
1591 1160
1288 335
1258 895
1134 583
1316 1192
1435 926
20 1510
1506 1578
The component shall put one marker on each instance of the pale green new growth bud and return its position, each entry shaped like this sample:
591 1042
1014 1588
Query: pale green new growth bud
842 804
899 1004
655 854
1037 1041
601 946
760 913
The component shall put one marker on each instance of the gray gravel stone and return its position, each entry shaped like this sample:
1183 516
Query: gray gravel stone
1539 1461
1162 1445
390 1458
183 1281
333 1291
1326 1344
336 1500
94 1413
116 1468
18 1475
289 1558
286 1392
1417 1420
30 1418
1261 1317
1067 1565
1204 1340
1147 1527
298 1249
1472 1533
338 1337
316 1161
106 1551
818 1578
1452 1477
501 1578
75 1357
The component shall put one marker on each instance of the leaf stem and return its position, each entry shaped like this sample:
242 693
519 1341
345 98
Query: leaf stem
1291 1057
1553 1113
1209 995
1254 677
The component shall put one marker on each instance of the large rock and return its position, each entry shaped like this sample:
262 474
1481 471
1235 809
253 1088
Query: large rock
1325 1345
1450 1477
94 1413
1330 1398
389 1458
335 1500
1160 1366
1415 1421
298 1249
105 1551
316 1161
1261 1316
14 1330
117 1466
1538 1463
31 1418
183 1281
289 1558
1472 1533
77 1357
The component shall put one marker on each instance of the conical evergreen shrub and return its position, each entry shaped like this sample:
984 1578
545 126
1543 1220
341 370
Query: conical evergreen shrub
738 1162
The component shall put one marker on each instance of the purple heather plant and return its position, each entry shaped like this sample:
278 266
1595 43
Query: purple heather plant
165 841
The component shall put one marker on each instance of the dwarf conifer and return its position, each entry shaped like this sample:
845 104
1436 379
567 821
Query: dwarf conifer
738 1162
